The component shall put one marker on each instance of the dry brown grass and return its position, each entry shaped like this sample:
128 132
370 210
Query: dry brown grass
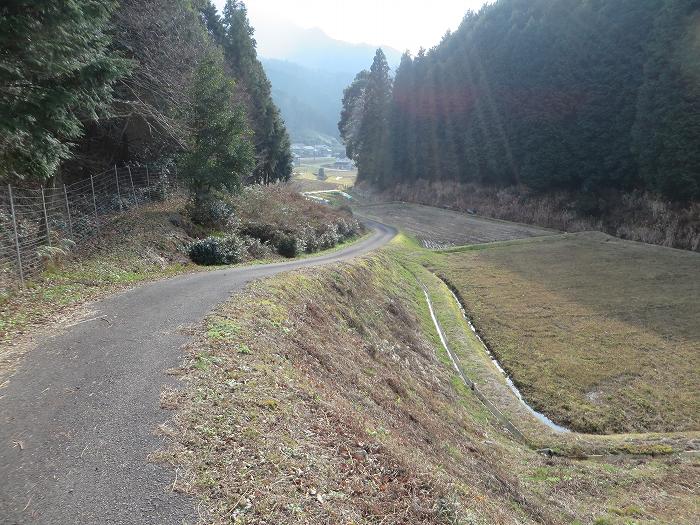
330 409
321 397
633 216
599 334
281 207
440 228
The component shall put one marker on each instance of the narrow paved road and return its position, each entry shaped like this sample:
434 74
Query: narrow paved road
77 420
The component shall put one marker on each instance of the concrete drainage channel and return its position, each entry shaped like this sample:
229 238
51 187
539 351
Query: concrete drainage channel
503 420
539 415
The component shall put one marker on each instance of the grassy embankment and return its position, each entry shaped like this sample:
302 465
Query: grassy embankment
598 333
325 396
635 216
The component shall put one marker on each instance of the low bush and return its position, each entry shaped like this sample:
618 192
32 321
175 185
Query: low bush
263 232
288 246
255 249
217 250
268 220
215 212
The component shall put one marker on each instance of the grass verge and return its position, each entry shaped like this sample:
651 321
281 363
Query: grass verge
142 244
322 396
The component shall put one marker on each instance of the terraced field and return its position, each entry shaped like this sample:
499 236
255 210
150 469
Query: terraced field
305 176
600 334
437 228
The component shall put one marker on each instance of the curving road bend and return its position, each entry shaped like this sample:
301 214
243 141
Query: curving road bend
77 419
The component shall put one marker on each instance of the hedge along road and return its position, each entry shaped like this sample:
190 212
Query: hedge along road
78 418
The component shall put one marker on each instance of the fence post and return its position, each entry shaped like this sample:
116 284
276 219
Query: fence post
70 221
46 216
133 191
148 180
162 183
14 224
94 205
119 194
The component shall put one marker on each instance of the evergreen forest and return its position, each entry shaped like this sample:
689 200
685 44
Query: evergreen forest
584 96
88 84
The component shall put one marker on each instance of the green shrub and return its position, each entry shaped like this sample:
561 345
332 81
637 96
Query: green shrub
288 245
213 212
217 250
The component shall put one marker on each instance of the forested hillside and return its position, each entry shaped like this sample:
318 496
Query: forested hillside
593 98
309 99
307 85
93 83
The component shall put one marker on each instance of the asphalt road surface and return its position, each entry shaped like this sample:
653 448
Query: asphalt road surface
78 419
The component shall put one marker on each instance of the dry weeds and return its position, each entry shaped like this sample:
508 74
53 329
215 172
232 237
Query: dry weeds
633 216
437 228
320 396
599 334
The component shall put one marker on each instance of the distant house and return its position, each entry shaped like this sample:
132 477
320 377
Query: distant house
322 150
343 164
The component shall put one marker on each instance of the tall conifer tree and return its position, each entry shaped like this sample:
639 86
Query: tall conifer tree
272 145
373 158
351 114
56 72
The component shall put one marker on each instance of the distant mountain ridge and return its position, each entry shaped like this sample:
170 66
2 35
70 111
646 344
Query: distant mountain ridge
309 99
317 50
314 49
309 70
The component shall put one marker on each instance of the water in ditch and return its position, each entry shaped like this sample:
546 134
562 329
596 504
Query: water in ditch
539 415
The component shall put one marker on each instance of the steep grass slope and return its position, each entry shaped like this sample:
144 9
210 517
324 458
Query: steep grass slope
325 397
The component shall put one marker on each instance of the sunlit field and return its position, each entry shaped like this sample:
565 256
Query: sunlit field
306 175
600 334
440 228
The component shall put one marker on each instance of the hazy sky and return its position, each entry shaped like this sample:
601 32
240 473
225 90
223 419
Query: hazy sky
402 24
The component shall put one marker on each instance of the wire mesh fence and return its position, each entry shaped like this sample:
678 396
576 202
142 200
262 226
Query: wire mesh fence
36 223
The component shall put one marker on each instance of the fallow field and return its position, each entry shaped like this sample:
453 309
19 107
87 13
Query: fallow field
440 228
305 176
599 334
